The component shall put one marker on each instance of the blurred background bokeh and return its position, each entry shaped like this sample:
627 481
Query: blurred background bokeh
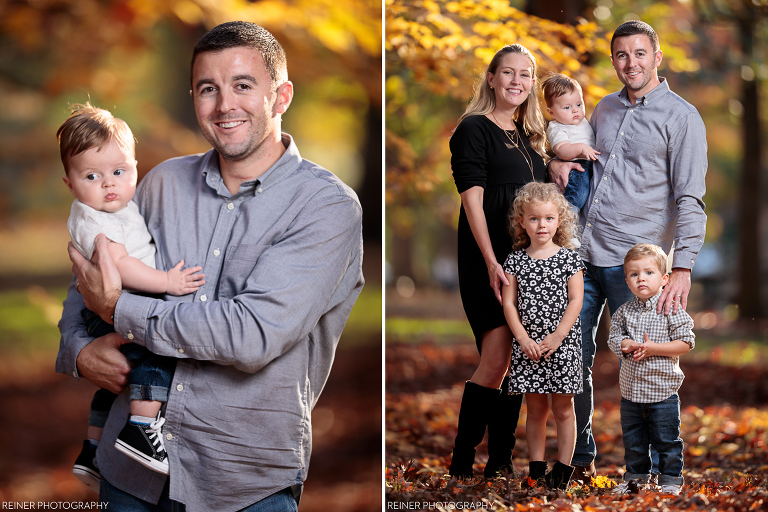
715 54
132 57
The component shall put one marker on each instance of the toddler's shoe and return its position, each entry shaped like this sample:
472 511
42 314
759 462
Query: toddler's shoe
86 469
143 442
629 487
672 489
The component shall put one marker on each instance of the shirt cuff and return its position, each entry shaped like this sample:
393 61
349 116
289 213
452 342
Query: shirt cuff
131 314
683 259
66 360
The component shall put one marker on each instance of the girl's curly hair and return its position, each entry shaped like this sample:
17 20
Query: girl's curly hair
535 192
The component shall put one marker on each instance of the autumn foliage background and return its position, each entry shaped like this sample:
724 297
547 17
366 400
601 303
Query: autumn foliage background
714 57
132 57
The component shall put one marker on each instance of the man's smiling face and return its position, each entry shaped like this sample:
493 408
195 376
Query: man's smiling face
234 99
636 64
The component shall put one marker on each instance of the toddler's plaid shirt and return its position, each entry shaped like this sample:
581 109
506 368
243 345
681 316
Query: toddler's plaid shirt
655 378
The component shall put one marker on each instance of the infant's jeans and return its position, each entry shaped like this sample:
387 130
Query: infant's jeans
577 190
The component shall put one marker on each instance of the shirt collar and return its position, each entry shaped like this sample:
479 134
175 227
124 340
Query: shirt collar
286 164
648 304
655 93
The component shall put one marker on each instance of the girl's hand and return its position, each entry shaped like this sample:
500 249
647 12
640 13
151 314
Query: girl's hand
497 278
549 345
530 348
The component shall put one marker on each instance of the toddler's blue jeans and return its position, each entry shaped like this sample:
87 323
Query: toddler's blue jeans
654 425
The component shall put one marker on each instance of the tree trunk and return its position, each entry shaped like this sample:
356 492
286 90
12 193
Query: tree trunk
749 300
561 11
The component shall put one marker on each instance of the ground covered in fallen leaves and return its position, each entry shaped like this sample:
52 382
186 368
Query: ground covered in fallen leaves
724 425
43 418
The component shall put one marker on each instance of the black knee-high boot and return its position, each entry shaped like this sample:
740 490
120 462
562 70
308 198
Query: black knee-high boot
476 405
559 477
537 470
502 422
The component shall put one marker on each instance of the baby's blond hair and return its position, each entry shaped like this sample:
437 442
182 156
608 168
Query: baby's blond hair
642 251
536 192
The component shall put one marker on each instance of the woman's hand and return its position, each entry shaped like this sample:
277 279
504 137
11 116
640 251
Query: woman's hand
497 277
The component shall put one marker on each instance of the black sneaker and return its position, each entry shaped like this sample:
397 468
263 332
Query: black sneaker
86 469
144 443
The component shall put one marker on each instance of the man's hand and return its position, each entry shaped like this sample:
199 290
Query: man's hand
675 293
559 171
98 281
102 363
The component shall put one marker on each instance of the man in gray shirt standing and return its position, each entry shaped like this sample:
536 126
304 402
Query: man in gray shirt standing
648 186
280 242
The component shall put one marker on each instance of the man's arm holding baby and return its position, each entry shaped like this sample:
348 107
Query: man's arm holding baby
136 275
80 355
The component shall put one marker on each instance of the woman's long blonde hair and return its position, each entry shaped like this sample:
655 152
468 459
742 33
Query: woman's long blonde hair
535 192
528 114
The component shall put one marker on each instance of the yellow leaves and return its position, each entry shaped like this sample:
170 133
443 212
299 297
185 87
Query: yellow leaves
424 34
188 12
603 482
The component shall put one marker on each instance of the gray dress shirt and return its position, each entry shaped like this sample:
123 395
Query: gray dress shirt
648 183
655 378
282 262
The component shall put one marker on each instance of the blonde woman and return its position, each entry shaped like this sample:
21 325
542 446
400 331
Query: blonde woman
497 148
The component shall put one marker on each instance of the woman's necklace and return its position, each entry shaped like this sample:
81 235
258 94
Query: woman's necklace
516 145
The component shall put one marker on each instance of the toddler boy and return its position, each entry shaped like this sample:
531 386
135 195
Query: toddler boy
569 134
98 153
650 376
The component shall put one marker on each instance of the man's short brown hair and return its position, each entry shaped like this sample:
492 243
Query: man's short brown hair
90 127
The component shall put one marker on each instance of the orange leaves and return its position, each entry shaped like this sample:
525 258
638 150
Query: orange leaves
726 462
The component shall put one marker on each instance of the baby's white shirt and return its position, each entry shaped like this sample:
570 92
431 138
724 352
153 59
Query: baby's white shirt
573 134
125 227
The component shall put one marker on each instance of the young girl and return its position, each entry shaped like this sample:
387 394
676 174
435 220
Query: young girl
542 304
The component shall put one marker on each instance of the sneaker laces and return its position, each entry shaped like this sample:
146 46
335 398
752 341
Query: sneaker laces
155 433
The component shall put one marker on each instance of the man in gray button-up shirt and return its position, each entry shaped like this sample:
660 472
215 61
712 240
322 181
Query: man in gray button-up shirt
279 239
648 186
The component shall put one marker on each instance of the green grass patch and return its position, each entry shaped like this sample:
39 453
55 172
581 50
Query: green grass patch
729 351
364 324
420 330
29 318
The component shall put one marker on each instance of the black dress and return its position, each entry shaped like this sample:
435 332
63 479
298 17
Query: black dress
480 157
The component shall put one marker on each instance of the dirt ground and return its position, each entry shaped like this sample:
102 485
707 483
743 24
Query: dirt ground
43 417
